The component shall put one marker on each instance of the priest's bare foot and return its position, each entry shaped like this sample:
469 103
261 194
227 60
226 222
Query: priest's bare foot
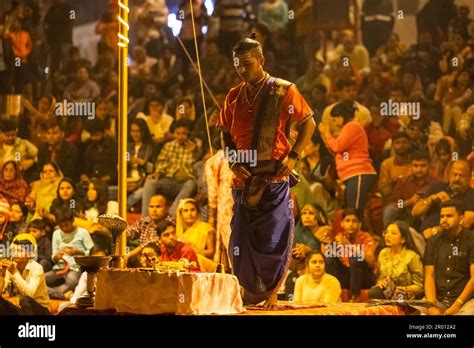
271 301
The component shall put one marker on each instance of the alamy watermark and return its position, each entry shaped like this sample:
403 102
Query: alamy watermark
37 331
394 108
68 108
241 156
345 250
26 250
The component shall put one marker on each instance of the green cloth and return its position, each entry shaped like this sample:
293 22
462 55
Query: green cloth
304 235
407 271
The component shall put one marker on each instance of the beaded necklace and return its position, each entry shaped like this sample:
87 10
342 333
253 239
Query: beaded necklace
259 89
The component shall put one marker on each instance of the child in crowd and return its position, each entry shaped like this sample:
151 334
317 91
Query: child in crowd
351 256
37 228
68 241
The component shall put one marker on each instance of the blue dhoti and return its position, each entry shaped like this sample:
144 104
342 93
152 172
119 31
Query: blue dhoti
261 240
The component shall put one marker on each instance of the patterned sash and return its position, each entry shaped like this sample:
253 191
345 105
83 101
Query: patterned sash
264 137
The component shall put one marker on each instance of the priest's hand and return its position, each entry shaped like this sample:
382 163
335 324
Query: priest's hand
287 166
240 171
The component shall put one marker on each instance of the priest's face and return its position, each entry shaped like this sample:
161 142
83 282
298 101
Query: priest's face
249 66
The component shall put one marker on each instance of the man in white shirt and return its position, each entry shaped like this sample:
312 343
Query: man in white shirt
27 278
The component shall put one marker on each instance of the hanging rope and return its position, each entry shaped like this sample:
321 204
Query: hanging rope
200 78
197 71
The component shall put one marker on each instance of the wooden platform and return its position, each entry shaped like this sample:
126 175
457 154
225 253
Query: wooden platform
344 308
284 308
353 309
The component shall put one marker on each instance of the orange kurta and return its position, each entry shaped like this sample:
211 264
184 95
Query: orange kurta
236 119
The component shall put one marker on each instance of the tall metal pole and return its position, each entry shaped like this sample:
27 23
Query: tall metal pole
122 120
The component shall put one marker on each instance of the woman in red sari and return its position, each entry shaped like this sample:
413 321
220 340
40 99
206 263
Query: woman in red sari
12 186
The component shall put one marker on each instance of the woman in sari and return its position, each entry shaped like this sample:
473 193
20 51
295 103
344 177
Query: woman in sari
12 185
200 235
311 231
43 191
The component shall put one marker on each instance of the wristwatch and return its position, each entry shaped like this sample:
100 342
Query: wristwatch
293 155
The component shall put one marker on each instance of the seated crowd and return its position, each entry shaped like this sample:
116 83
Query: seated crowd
385 204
